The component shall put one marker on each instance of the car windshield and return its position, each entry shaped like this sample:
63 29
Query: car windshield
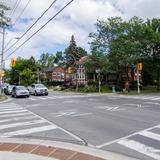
10 87
21 88
39 86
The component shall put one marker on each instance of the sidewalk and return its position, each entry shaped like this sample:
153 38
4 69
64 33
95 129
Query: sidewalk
30 149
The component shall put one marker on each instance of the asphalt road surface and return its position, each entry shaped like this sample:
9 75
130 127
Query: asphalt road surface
128 125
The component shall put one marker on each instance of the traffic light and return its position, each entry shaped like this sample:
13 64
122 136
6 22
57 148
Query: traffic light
140 66
69 70
12 62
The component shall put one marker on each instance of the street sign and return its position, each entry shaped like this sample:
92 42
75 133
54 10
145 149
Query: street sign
139 66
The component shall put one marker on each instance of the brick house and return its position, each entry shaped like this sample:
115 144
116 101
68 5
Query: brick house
78 73
53 74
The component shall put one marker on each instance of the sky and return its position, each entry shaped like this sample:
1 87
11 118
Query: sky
77 19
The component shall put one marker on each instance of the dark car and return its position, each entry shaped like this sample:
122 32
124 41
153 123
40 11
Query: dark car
20 91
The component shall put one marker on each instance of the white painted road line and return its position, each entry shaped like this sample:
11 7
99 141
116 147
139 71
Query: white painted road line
83 114
15 115
156 99
150 135
125 137
32 99
28 131
21 124
22 110
17 119
11 109
141 148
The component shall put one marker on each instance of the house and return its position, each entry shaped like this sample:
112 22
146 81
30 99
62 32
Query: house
53 74
78 74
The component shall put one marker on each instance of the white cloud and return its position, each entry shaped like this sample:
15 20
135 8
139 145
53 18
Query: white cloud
78 19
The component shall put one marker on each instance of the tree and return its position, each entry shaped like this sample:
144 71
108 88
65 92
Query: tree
46 60
73 53
126 43
59 58
26 77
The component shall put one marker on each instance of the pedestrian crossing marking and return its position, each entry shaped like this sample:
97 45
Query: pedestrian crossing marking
17 119
28 131
6 126
6 112
150 135
14 115
141 148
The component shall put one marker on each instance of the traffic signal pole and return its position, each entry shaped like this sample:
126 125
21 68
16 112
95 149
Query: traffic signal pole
138 84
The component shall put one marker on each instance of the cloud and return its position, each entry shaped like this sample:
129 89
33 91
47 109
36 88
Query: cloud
78 19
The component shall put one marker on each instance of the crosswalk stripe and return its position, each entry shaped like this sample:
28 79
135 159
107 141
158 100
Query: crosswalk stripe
21 124
141 148
156 98
28 131
32 99
6 112
17 118
150 135
11 109
41 98
13 115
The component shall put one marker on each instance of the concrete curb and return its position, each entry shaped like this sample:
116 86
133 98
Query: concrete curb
82 149
5 100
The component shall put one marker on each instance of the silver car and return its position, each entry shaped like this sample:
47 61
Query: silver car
38 89
20 91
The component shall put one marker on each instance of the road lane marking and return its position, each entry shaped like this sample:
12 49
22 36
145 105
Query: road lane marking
12 125
141 148
22 110
112 109
150 135
152 103
58 127
17 119
28 131
11 109
82 114
156 99
125 137
32 99
14 115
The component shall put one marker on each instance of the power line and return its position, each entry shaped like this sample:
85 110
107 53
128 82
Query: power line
31 26
41 27
22 12
15 7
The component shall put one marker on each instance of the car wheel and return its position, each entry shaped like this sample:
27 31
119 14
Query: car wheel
35 93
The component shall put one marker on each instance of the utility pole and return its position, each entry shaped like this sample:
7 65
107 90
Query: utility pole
4 23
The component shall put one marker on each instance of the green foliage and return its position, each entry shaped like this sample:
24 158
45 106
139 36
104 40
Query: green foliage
73 53
26 77
46 60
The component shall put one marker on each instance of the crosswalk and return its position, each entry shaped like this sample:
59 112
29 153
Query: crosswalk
145 142
152 98
53 97
16 121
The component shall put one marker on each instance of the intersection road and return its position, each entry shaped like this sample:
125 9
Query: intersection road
128 125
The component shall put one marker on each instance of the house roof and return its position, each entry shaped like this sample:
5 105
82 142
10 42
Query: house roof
49 69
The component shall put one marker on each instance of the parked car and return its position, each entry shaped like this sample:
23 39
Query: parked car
20 91
8 89
38 89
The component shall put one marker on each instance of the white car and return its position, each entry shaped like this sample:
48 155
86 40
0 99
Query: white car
38 89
